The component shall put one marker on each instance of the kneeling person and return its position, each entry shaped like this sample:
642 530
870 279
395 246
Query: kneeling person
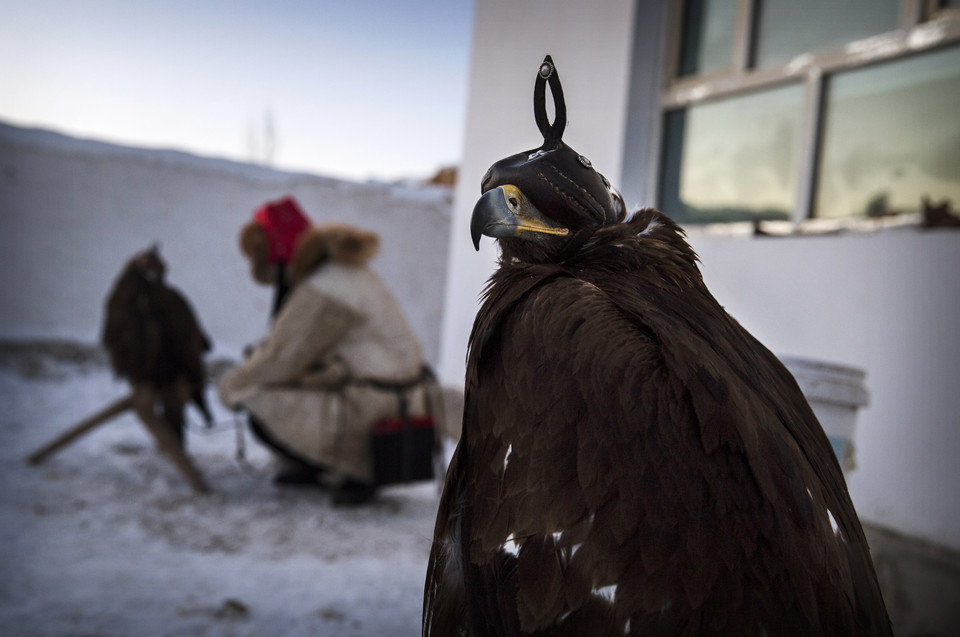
330 365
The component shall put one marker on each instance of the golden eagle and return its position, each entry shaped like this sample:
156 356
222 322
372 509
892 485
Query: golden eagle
154 340
632 460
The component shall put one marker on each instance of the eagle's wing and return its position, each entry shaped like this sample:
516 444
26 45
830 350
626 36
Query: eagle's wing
182 333
152 334
621 465
183 320
129 329
187 344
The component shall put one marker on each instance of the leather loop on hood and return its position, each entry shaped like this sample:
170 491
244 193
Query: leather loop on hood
548 73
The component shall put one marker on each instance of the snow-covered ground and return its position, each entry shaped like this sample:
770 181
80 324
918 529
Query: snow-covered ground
104 538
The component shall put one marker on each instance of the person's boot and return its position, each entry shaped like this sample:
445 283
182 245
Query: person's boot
352 493
297 475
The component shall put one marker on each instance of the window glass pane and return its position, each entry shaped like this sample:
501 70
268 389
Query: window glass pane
734 159
788 28
891 137
707 36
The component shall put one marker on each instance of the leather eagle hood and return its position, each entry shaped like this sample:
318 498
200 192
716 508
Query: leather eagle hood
557 179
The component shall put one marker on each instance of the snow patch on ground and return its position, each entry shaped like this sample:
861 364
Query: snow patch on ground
104 538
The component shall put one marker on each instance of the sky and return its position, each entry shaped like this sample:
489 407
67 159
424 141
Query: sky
357 89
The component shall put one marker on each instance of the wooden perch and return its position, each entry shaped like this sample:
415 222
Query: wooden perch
114 409
142 401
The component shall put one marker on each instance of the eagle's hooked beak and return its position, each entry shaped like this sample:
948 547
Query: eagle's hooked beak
506 212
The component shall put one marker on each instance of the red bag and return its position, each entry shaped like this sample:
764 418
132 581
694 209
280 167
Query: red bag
403 450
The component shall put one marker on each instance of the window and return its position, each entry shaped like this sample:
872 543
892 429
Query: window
734 159
777 109
707 36
787 28
891 137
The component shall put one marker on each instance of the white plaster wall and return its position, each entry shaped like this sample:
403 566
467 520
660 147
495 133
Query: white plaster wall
590 43
72 212
889 303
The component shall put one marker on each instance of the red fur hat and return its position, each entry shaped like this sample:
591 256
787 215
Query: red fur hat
270 237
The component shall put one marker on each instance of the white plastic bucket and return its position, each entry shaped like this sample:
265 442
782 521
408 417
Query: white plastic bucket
835 393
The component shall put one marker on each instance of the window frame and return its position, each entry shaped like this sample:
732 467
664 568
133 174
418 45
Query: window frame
923 26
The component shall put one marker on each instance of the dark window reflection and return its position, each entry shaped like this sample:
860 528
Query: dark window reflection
707 36
788 28
735 159
891 137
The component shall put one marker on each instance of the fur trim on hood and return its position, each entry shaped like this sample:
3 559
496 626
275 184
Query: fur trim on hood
334 242
256 247
315 245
